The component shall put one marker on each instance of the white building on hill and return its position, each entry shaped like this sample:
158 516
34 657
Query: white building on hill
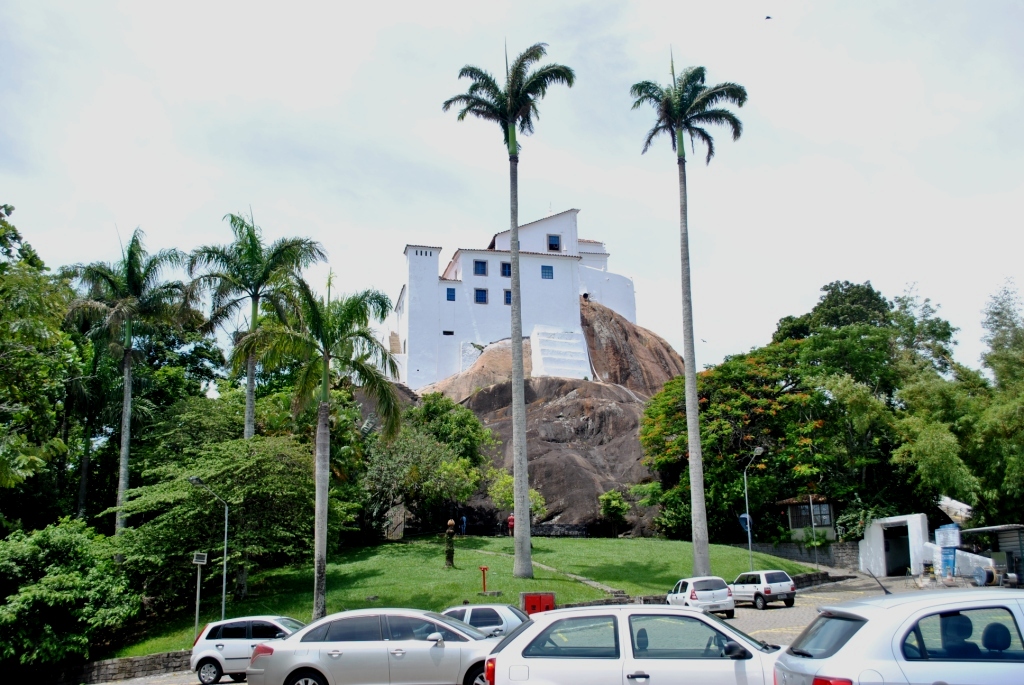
443 322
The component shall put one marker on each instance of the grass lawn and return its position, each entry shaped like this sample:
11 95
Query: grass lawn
412 574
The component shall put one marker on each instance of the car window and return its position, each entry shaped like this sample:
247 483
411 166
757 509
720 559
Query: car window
458 625
988 634
825 636
409 628
484 617
457 614
213 633
777 577
290 624
261 630
519 614
682 586
748 579
661 636
355 629
318 634
233 631
586 637
709 584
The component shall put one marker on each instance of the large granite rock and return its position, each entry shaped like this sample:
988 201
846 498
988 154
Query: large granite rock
582 436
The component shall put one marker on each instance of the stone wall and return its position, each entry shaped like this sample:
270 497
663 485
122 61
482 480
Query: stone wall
559 530
836 555
132 667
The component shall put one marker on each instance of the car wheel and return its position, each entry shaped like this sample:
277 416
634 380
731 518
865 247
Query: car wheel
238 677
475 676
759 602
305 678
209 672
789 602
730 614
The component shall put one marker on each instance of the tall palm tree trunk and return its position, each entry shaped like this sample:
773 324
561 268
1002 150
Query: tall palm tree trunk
323 457
522 564
83 469
250 380
698 512
126 436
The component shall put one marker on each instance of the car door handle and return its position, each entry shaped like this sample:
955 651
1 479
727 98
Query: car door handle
398 652
334 654
219 646
637 676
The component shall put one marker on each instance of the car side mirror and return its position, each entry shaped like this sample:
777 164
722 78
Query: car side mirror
734 650
281 635
436 637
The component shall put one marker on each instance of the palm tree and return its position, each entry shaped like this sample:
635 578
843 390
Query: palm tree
125 299
249 269
684 108
328 338
512 106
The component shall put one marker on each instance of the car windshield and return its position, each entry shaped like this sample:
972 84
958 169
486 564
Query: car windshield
777 577
758 644
464 628
709 584
290 623
825 636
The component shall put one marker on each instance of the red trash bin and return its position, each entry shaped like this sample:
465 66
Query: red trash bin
536 602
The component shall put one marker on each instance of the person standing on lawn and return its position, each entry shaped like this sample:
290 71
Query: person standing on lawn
512 525
449 544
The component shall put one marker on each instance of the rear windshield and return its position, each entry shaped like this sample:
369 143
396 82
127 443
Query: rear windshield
709 584
465 628
777 577
825 636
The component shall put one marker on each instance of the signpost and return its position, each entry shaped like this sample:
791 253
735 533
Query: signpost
948 538
199 559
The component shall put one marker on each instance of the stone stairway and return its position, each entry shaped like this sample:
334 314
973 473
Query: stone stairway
560 353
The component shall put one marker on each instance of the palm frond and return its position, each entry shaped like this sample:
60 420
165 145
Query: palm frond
718 117
377 386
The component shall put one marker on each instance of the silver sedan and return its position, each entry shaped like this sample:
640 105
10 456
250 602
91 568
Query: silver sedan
954 637
375 647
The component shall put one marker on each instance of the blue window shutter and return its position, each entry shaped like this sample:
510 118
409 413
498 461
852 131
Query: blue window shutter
547 272
451 294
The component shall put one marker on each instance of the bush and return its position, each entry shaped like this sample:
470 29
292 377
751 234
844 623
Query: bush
62 594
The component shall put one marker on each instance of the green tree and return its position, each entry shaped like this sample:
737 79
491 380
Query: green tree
248 269
501 490
329 338
684 109
514 106
62 593
124 299
452 425
13 249
614 508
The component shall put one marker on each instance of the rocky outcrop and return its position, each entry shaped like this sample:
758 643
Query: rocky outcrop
582 436
626 354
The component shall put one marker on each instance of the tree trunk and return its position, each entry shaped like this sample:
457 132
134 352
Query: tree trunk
523 563
323 455
126 436
83 468
250 380
698 513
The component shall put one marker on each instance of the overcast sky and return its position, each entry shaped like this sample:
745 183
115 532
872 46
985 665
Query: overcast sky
882 141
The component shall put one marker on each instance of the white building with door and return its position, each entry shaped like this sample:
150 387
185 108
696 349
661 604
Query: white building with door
444 318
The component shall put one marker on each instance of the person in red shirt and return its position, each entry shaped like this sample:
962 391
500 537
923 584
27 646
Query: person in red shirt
511 524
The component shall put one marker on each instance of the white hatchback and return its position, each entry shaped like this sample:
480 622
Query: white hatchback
761 587
493 619
629 645
707 593
224 647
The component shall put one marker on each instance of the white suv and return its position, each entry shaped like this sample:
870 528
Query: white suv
224 647
761 587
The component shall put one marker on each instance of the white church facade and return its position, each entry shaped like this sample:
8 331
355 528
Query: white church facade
444 319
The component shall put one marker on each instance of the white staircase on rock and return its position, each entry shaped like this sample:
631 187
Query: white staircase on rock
562 353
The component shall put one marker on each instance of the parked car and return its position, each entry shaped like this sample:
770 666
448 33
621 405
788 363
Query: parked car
947 636
707 593
225 647
375 647
627 644
494 619
761 587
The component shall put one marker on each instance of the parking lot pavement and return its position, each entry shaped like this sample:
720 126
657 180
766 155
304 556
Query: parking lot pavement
778 624
177 678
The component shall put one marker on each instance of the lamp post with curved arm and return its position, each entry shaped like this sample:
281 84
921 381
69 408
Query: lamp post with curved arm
198 482
758 451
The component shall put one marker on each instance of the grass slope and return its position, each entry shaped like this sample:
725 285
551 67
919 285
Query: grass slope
412 574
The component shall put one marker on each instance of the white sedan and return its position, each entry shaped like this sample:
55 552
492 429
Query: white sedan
629 645
954 637
493 619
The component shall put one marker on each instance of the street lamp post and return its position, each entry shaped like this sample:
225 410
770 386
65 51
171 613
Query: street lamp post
758 451
198 482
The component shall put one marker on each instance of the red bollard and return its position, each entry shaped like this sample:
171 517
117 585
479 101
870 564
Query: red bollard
483 571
